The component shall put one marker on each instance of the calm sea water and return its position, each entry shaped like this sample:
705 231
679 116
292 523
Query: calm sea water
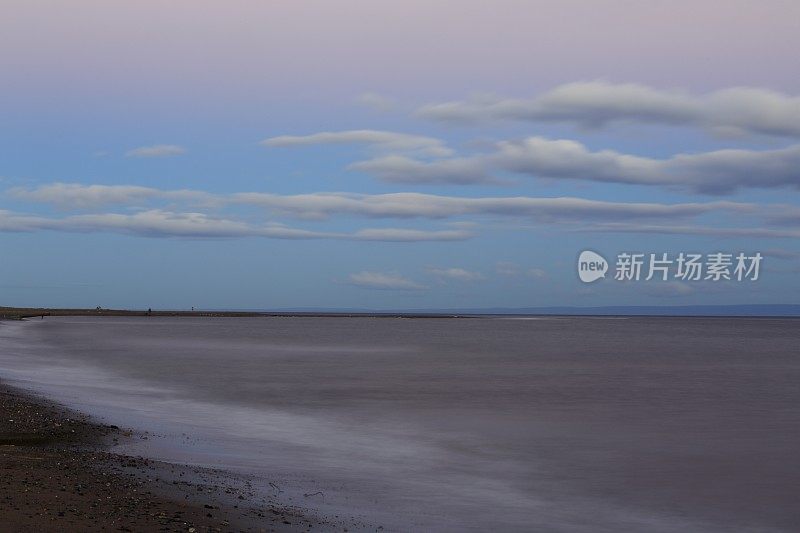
561 424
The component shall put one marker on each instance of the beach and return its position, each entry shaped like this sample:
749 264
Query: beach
570 424
59 475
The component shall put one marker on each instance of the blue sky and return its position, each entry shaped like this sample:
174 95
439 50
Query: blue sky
392 155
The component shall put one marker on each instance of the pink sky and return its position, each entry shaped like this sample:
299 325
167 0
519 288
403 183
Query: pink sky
423 49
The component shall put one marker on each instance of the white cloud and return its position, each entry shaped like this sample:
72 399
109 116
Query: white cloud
160 223
384 281
541 157
507 268
151 223
158 150
418 205
188 207
536 273
779 253
756 232
71 195
76 196
785 215
156 223
716 172
383 140
456 274
732 111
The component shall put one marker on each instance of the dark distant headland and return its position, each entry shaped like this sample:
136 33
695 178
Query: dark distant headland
18 313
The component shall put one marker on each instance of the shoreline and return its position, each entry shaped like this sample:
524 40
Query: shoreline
59 473
21 313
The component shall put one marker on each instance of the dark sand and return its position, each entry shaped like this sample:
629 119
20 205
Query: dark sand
57 474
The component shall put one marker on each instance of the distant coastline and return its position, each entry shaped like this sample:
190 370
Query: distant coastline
744 311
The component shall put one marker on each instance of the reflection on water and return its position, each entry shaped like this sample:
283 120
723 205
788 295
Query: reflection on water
563 424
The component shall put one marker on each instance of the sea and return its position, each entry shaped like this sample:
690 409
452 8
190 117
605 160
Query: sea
573 424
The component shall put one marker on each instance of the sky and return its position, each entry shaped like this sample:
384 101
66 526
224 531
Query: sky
395 155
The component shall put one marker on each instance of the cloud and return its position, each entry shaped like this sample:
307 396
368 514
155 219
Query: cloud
11 222
151 223
507 268
324 205
383 281
418 205
383 140
756 232
156 223
575 213
725 171
565 159
158 150
376 102
785 216
717 172
733 111
536 273
778 253
163 224
456 274
76 196
84 196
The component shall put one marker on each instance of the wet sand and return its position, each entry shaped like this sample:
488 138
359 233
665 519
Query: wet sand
59 475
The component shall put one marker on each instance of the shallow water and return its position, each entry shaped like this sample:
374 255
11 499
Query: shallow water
562 424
